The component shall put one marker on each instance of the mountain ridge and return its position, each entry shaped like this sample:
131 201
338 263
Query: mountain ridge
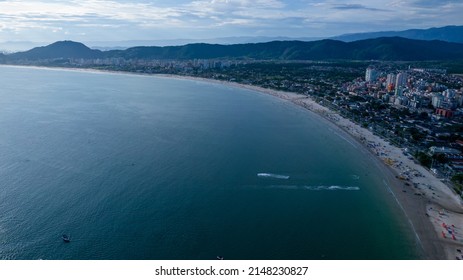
59 49
450 33
384 48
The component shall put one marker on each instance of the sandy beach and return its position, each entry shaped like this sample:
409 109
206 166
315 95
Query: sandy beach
433 210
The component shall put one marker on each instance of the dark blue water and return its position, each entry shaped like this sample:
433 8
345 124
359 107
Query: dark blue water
137 167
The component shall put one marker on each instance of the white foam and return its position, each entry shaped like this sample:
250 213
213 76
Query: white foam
271 175
316 188
342 188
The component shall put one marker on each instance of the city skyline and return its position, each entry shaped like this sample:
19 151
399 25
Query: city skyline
105 20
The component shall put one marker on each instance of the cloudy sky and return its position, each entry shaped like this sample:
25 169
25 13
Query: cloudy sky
113 20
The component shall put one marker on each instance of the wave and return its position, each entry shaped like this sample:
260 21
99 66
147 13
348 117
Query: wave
340 188
316 188
271 175
355 177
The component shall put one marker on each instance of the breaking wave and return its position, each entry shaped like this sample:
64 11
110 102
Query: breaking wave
317 188
270 175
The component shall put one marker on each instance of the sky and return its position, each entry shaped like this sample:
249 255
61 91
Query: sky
118 20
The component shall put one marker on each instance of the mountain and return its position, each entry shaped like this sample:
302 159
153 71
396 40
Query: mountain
398 48
121 45
386 48
448 33
394 48
61 49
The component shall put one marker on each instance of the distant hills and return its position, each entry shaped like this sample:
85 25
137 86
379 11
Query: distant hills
385 48
452 34
120 45
380 49
61 49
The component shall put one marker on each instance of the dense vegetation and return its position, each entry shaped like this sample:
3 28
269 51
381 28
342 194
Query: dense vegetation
390 48
446 33
457 181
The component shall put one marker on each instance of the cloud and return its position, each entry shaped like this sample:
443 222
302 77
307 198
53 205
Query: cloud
355 7
230 8
434 3
139 19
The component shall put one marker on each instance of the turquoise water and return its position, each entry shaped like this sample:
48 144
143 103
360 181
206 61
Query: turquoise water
138 167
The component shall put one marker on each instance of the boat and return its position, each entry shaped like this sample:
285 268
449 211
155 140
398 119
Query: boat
220 257
66 238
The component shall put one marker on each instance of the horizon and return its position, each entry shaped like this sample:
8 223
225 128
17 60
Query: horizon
142 20
19 46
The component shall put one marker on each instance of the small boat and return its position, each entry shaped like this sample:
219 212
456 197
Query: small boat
66 238
220 257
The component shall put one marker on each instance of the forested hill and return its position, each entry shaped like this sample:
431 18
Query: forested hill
385 48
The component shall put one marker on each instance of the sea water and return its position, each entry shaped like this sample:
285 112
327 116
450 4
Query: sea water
143 167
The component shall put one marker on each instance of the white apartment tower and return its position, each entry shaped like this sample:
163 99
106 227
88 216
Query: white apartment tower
401 80
400 83
371 74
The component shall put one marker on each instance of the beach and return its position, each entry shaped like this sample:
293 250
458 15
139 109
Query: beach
433 210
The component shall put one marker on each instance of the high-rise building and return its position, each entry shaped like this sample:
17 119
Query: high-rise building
371 74
401 80
390 80
399 91
437 100
400 83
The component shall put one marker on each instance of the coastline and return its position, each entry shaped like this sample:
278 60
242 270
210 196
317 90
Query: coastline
426 202
434 212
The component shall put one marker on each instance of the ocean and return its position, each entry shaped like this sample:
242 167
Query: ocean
144 167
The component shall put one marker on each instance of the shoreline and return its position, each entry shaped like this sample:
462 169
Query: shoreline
425 201
434 212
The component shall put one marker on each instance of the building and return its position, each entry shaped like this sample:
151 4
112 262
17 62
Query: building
449 93
443 150
390 80
399 91
371 74
437 101
444 113
401 80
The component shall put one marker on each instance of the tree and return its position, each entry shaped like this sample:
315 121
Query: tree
441 158
424 159
423 116
457 178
